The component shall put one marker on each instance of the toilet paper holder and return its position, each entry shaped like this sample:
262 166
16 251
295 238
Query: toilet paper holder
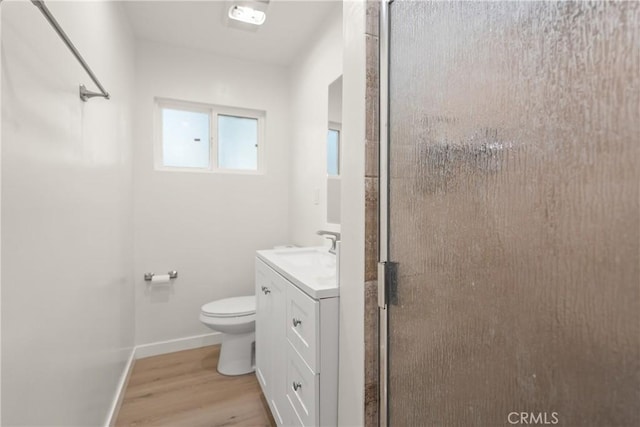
173 274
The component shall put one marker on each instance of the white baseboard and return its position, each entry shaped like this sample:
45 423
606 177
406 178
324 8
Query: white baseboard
170 346
122 387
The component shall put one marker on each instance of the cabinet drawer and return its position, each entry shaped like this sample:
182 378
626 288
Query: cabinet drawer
302 389
294 419
302 325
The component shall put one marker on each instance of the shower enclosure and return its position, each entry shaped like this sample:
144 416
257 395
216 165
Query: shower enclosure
513 219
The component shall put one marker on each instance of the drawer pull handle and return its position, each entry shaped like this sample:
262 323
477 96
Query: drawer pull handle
296 322
296 386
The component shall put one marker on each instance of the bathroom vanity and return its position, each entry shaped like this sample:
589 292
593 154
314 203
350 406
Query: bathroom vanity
297 335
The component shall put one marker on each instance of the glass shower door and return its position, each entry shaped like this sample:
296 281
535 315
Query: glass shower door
513 213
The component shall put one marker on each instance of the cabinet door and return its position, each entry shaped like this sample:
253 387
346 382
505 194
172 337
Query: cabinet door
271 340
278 345
263 328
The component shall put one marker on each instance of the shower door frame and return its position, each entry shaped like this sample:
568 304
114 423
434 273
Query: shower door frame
383 216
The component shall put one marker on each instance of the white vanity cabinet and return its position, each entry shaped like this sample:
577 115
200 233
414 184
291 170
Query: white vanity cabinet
296 348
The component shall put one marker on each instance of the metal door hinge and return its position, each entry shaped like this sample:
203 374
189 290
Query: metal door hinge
387 283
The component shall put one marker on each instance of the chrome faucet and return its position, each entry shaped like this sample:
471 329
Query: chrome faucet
333 236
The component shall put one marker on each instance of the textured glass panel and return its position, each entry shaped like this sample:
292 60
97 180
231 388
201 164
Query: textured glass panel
515 134
237 143
185 138
333 152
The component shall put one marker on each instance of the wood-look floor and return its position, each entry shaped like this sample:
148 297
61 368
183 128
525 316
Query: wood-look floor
184 389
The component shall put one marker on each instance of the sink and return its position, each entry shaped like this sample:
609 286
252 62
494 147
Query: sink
309 258
313 269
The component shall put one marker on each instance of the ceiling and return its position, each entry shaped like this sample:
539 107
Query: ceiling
289 26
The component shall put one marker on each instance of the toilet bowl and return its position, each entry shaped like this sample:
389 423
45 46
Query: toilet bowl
236 319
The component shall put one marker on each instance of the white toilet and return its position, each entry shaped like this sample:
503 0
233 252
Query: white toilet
236 319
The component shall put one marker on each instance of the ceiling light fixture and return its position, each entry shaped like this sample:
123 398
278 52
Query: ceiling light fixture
247 15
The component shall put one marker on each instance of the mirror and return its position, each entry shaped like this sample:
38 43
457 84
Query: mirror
334 148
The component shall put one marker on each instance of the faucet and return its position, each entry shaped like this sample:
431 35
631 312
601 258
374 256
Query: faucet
333 236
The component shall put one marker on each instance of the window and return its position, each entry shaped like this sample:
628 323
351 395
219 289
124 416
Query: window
237 142
333 150
208 138
185 139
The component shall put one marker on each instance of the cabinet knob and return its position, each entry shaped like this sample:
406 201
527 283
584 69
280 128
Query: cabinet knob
265 290
296 322
296 386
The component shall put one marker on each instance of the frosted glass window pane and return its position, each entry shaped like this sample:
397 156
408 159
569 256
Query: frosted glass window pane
333 152
237 143
185 139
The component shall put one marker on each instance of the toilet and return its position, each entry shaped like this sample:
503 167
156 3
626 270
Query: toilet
236 319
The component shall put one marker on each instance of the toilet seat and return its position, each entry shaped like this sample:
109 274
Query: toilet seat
230 307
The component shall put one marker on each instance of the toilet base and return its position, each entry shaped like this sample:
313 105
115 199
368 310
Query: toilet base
237 354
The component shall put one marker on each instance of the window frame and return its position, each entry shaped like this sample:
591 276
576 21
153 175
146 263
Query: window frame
214 111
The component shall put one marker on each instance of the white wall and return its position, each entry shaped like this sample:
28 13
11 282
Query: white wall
67 300
351 382
205 225
338 50
311 74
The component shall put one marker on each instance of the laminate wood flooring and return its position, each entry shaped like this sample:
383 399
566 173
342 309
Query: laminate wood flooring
184 389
